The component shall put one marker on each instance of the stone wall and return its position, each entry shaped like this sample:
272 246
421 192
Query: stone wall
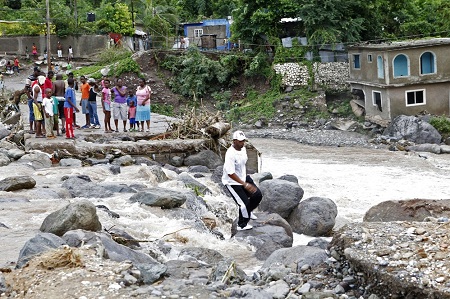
330 75
83 46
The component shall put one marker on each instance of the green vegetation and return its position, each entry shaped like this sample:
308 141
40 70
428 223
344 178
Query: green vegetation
163 109
442 124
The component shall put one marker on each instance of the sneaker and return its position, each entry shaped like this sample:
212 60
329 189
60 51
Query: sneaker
92 126
85 127
247 227
253 216
97 127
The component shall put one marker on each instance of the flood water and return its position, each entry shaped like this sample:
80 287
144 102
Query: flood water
354 178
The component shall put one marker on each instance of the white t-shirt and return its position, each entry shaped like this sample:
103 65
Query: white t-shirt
48 105
234 163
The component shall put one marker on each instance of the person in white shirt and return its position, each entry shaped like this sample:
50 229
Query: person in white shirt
241 186
47 102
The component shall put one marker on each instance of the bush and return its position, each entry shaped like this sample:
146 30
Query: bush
442 124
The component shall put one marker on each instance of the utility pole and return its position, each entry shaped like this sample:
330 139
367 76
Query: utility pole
49 55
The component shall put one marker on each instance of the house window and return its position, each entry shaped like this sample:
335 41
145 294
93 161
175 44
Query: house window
380 67
369 57
427 63
356 61
401 66
198 32
376 97
415 97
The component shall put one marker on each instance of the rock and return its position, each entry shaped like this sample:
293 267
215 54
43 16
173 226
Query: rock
151 272
3 286
278 290
413 129
15 153
108 211
160 197
79 186
318 242
115 169
126 160
37 160
203 255
14 183
261 177
118 188
198 168
289 178
295 258
259 124
70 162
270 232
314 216
94 161
425 147
173 168
408 210
206 158
280 196
176 161
77 215
145 161
192 183
4 159
38 244
221 269
154 174
216 177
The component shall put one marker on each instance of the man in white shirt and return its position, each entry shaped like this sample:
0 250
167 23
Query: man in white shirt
242 188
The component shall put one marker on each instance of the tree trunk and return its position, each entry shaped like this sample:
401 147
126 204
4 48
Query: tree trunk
218 129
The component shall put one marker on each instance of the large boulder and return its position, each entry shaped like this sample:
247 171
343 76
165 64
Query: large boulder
314 216
154 174
296 257
4 159
192 183
160 197
78 215
280 196
14 183
206 158
270 232
82 186
408 210
38 244
413 129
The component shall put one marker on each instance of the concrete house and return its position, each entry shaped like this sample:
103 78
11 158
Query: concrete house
405 77
209 34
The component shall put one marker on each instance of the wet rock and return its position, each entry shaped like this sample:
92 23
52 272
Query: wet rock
176 161
216 177
145 161
206 158
413 129
126 160
314 216
115 169
153 174
160 197
122 237
108 211
408 210
94 161
270 232
38 244
15 153
280 196
173 168
77 215
79 186
192 183
318 242
14 183
118 188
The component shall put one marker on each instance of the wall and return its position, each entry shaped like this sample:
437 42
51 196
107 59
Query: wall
83 46
331 75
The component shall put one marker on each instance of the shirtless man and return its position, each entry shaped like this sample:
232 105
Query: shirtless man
59 90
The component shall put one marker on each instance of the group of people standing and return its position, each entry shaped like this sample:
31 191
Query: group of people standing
53 100
59 51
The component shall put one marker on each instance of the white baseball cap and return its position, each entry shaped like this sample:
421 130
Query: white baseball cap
239 135
41 80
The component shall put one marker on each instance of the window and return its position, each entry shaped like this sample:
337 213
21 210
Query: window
356 62
427 63
198 32
380 67
401 66
376 98
415 97
369 57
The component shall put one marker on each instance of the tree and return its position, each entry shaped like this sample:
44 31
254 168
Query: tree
115 18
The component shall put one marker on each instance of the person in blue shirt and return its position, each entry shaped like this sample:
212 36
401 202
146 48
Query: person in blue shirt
69 106
131 98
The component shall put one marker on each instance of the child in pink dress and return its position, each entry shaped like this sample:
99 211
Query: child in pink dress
132 116
106 104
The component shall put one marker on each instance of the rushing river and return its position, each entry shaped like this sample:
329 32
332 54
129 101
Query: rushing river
354 178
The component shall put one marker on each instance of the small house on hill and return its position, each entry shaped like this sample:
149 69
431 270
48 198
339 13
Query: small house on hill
405 77
209 34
